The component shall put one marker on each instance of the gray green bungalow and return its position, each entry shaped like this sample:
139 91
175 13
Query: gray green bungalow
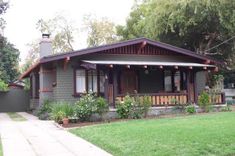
162 71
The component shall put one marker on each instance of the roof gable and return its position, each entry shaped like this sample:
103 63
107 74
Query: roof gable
138 41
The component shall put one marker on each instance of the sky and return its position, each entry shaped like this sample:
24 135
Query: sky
22 16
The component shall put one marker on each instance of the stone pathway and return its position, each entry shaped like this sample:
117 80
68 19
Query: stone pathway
42 138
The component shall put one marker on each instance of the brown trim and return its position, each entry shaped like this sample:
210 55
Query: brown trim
45 90
195 87
188 85
128 43
86 80
74 81
26 74
98 81
172 80
155 94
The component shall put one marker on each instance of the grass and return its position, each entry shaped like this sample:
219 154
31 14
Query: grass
16 117
196 135
1 152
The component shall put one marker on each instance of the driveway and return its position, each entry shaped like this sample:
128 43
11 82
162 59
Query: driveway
42 138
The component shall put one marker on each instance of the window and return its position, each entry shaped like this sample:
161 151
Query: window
102 81
178 78
167 81
80 81
177 81
92 81
87 80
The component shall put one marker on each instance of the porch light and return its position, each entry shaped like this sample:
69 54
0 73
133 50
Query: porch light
205 68
176 67
161 67
145 66
128 66
216 69
110 66
190 67
146 72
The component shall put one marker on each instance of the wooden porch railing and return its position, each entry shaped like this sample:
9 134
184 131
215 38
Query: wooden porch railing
216 98
162 99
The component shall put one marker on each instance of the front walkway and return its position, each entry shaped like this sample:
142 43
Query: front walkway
42 138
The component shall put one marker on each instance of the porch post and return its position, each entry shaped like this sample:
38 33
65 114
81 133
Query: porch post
106 84
195 87
115 85
188 86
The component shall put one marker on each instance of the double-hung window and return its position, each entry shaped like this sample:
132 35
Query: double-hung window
92 81
80 81
89 80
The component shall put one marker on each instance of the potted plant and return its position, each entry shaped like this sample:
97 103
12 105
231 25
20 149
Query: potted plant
65 120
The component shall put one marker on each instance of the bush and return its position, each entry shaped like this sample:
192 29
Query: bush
124 108
61 110
101 106
190 109
85 107
227 108
204 101
134 107
3 86
44 110
146 104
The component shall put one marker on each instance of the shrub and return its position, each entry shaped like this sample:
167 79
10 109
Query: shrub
124 108
101 106
3 86
44 110
146 105
85 107
134 107
190 109
227 108
58 116
61 110
204 101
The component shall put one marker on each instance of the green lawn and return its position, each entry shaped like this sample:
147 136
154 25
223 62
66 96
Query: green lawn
211 134
1 152
16 117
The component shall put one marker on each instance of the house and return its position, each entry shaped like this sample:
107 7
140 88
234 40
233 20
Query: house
162 71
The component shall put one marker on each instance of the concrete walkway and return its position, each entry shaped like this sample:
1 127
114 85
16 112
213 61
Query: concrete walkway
42 138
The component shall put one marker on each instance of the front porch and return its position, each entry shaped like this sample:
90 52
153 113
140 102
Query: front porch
167 84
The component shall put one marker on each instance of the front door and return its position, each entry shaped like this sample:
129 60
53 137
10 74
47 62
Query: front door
128 82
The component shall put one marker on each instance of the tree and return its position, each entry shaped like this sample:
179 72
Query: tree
9 55
62 35
9 61
197 25
61 30
100 32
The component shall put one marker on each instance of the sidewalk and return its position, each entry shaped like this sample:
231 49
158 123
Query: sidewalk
42 138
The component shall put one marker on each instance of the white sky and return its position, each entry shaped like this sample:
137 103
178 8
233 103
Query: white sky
22 16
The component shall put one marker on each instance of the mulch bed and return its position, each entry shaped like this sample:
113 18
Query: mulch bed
83 124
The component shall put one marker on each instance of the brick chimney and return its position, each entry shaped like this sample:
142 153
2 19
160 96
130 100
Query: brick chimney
45 46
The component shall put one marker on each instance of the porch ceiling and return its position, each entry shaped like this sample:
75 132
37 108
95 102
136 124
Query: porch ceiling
149 63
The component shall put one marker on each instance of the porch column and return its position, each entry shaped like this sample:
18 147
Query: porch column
191 86
115 86
45 84
106 84
195 87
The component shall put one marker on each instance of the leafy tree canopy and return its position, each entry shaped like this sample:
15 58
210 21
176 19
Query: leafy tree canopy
197 25
100 31
9 61
61 30
9 55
